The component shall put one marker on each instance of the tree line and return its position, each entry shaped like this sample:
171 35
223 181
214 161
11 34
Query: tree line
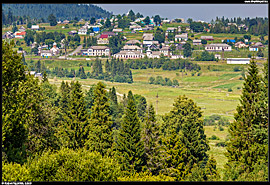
72 135
164 63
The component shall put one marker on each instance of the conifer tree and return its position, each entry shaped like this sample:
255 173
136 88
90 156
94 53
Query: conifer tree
186 119
176 156
152 143
211 172
89 99
129 146
248 137
75 119
100 128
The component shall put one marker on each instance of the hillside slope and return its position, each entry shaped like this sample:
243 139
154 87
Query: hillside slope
61 11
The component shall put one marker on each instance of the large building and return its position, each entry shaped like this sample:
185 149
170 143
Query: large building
98 51
218 47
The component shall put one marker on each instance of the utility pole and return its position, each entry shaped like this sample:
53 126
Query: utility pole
157 104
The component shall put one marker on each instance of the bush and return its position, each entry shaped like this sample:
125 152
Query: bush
236 69
15 172
221 144
221 128
230 90
70 165
146 176
214 137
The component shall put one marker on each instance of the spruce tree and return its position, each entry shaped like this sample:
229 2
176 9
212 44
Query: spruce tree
248 137
99 130
129 146
75 119
176 157
186 119
151 137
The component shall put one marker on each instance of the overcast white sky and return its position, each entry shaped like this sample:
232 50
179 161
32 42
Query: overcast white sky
205 12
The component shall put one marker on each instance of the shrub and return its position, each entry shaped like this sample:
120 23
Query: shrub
230 90
214 137
70 165
221 144
15 172
146 176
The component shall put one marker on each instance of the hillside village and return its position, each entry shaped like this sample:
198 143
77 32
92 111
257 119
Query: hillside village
132 97
120 37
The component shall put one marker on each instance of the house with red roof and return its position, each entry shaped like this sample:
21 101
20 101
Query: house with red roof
20 35
103 39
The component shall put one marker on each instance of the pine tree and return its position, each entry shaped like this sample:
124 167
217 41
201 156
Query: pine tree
100 128
152 143
248 133
211 172
130 147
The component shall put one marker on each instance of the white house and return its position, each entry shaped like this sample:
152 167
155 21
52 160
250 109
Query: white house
197 42
129 54
218 47
238 60
82 31
98 51
148 39
35 27
45 53
165 50
183 36
153 54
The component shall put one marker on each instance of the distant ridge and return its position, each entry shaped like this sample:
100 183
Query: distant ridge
61 11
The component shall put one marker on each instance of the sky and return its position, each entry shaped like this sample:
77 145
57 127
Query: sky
204 12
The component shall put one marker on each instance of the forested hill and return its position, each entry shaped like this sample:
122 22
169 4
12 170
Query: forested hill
61 11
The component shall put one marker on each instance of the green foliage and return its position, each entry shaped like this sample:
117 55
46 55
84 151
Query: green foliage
187 50
152 143
63 11
186 119
99 131
52 20
15 172
176 159
145 176
248 133
129 146
75 118
73 165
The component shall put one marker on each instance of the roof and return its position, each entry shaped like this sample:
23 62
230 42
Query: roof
20 33
165 48
148 36
128 52
197 40
133 42
35 26
103 36
230 40
207 37
117 30
217 45
108 33
183 35
131 47
99 47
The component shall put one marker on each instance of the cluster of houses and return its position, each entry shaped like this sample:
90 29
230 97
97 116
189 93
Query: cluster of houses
133 49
